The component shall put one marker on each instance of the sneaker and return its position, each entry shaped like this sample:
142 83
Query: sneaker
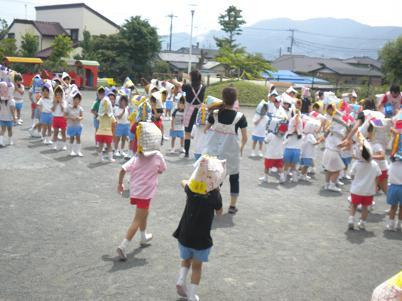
362 225
399 225
10 142
390 225
181 289
123 154
101 159
64 147
347 177
2 141
232 210
263 179
117 154
252 155
20 121
182 151
326 186
295 177
195 298
79 154
122 253
332 187
31 132
260 155
144 241
282 178
171 151
305 178
55 147
339 183
73 154
351 223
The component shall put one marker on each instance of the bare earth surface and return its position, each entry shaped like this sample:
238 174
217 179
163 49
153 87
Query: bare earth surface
61 221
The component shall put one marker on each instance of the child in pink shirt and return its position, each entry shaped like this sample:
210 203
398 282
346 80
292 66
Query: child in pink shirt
144 171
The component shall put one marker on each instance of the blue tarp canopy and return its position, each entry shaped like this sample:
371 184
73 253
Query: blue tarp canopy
289 76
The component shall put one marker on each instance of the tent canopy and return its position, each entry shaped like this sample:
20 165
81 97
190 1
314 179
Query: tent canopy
28 60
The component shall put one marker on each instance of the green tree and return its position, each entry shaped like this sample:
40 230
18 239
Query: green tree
61 48
29 45
391 57
3 28
231 22
7 47
87 46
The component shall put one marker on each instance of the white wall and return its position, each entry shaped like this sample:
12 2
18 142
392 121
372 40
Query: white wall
20 29
80 18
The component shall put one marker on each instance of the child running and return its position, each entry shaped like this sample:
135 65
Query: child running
177 126
365 172
7 114
74 116
144 171
194 230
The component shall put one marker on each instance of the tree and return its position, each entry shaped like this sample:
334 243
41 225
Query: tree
231 22
87 46
7 47
3 28
29 45
61 48
391 57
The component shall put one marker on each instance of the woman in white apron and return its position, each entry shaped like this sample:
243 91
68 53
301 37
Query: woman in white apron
194 98
223 142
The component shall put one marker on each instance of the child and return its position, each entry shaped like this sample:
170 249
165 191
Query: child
346 156
74 128
104 135
95 108
198 133
144 170
194 230
308 146
157 111
18 96
177 126
34 96
7 113
291 154
122 127
169 100
365 171
59 121
260 123
45 105
223 141
277 127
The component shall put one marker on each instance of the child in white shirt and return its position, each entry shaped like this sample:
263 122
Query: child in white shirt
122 132
260 123
74 127
394 196
365 172
45 105
7 113
291 154
308 146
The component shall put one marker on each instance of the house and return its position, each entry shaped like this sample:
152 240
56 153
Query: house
364 61
43 31
209 54
75 18
287 76
331 69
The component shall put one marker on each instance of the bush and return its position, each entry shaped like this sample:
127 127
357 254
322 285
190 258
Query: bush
248 93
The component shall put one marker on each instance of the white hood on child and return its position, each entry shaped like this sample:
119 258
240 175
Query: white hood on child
105 107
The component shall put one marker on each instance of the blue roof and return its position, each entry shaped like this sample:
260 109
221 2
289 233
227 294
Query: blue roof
289 76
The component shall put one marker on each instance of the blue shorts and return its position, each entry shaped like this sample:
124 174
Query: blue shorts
394 195
347 161
187 253
46 118
7 123
96 123
177 134
122 130
18 105
291 155
306 162
257 139
169 105
73 131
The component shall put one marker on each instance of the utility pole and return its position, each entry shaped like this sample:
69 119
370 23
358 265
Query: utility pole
191 43
171 16
292 40
280 51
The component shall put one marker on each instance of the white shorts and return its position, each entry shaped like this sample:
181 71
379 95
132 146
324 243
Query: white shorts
332 161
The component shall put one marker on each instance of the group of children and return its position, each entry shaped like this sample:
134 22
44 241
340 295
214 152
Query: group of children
350 130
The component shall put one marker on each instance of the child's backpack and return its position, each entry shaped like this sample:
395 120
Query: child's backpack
201 118
37 84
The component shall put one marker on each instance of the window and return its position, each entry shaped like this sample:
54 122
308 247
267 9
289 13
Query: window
11 35
74 34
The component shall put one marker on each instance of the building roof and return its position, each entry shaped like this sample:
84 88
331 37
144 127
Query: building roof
289 76
209 53
209 65
178 57
363 60
77 5
45 53
49 29
306 64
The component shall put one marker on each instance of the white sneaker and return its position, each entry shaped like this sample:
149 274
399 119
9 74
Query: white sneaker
399 225
390 225
111 159
263 179
145 240
2 141
101 159
260 155
347 177
123 154
50 142
351 222
20 121
182 150
282 178
31 132
122 253
362 225
195 298
72 153
252 155
332 187
117 154
55 146
10 141
295 177
305 178
339 183
78 150
171 151
64 147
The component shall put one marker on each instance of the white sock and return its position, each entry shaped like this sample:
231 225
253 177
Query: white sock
143 235
124 243
182 275
78 147
191 291
111 156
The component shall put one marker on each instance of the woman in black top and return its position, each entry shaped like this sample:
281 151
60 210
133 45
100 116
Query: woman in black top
195 93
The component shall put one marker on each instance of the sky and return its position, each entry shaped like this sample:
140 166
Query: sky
370 12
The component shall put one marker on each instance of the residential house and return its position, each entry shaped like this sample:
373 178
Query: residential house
331 69
209 54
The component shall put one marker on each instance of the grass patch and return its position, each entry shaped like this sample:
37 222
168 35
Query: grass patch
248 93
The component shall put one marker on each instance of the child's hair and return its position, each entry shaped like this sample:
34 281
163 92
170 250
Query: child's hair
124 98
370 128
58 90
153 99
195 76
395 89
366 154
17 77
77 95
316 106
182 100
369 104
229 95
44 87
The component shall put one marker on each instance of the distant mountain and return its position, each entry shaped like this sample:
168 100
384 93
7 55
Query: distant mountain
323 37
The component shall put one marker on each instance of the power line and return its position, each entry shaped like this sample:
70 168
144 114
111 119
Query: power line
340 37
326 46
